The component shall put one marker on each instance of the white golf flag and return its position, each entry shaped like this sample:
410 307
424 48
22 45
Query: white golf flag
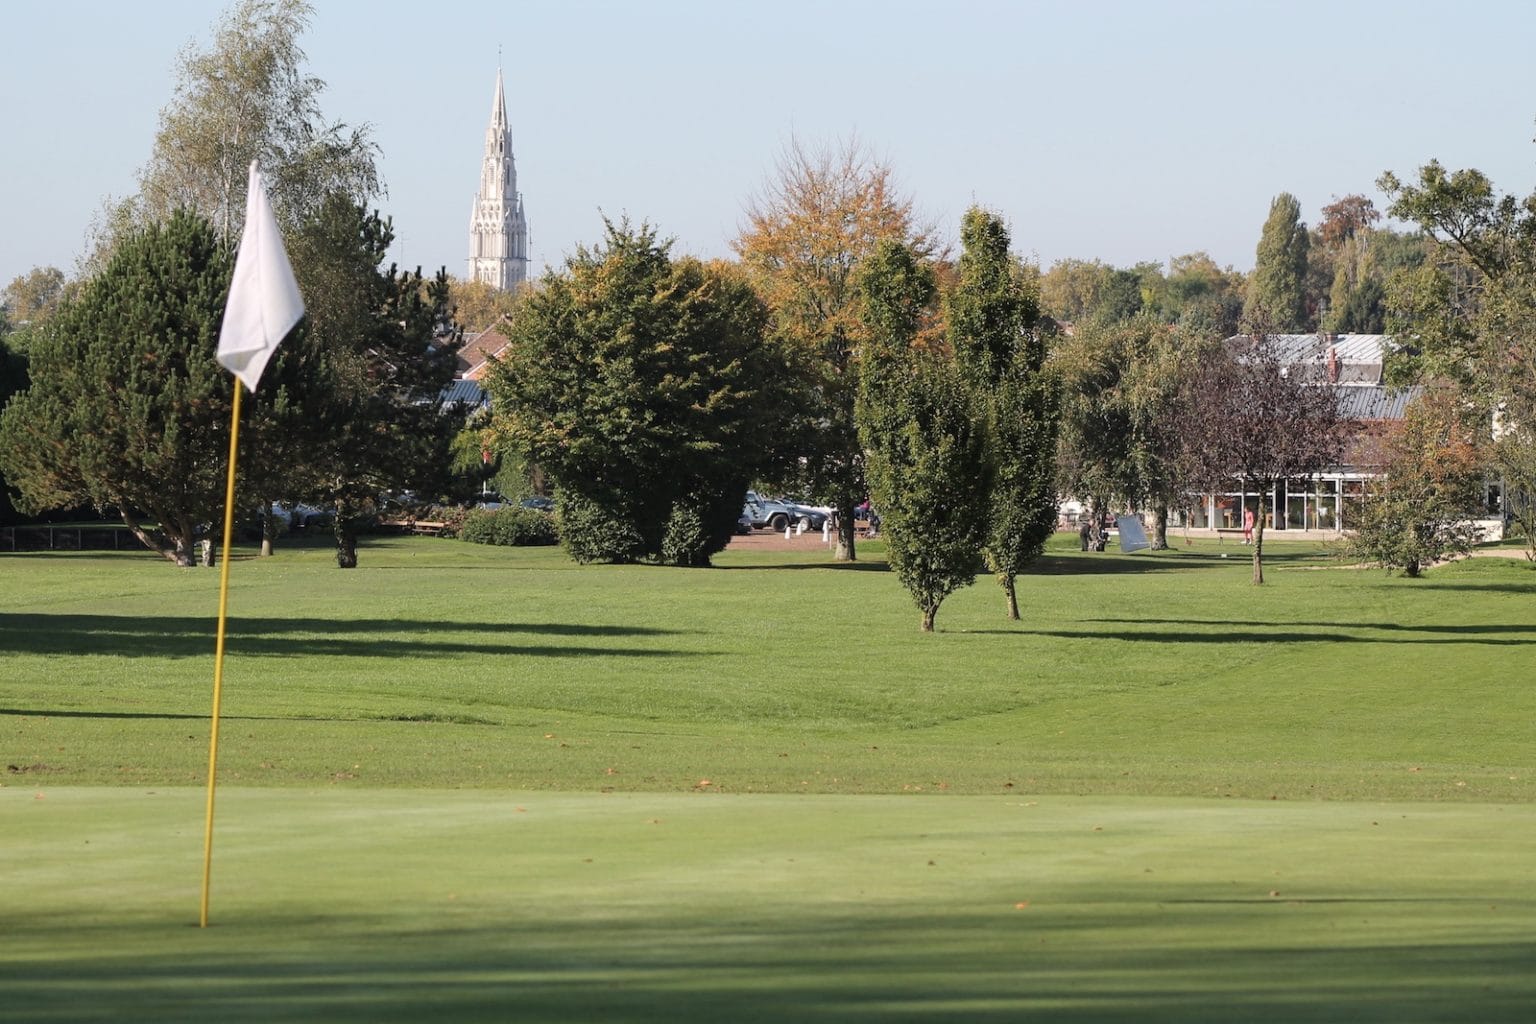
264 301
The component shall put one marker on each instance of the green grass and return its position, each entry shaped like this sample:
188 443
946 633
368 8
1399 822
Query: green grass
372 905
445 664
486 784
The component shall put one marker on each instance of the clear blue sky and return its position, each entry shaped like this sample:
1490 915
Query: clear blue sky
1109 129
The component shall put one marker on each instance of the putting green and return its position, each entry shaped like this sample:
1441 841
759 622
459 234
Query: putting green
399 905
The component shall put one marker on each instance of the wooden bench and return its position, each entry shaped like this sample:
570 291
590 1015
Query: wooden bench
429 527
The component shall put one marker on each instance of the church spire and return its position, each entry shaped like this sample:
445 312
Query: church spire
499 107
498 230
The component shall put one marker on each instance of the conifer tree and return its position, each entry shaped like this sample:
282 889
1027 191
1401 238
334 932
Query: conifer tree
127 407
354 404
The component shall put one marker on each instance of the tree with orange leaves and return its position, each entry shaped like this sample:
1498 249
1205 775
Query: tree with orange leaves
817 217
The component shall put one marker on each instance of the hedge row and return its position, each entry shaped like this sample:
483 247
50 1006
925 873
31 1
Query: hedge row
510 527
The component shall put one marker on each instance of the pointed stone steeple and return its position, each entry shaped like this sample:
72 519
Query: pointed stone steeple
498 230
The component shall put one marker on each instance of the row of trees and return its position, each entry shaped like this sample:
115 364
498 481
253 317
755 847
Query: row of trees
118 402
843 355
1333 277
652 391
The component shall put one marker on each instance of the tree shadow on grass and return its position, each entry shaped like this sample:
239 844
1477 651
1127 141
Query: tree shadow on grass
1524 589
865 566
1090 965
1237 632
135 636
139 715
1172 560
1470 630
1109 563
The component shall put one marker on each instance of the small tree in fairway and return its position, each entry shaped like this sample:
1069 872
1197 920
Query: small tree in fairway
923 433
999 341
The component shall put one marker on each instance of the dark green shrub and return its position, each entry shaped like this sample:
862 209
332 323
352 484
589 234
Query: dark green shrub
590 532
509 527
685 542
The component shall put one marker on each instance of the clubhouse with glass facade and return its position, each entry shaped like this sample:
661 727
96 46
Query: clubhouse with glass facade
1331 501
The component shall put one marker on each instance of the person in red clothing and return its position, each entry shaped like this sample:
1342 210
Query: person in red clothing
1247 526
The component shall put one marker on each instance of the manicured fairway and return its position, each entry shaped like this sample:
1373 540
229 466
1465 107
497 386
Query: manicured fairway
447 664
486 784
378 905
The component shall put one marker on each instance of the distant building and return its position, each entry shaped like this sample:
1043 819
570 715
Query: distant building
498 228
1330 501
479 351
1333 500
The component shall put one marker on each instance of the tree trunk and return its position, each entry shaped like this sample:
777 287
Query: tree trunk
346 537
1160 528
268 529
1013 597
1258 548
845 532
179 554
929 614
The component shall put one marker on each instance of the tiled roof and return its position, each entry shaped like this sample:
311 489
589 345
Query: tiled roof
478 350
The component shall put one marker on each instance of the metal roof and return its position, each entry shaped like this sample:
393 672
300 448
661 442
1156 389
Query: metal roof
1358 357
466 392
1375 403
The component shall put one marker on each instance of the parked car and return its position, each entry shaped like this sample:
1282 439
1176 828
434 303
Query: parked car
778 514
814 516
302 517
538 503
767 512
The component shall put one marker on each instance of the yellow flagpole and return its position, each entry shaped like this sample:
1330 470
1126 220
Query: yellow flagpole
218 650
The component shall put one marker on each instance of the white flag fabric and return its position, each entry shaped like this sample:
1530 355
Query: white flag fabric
264 301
